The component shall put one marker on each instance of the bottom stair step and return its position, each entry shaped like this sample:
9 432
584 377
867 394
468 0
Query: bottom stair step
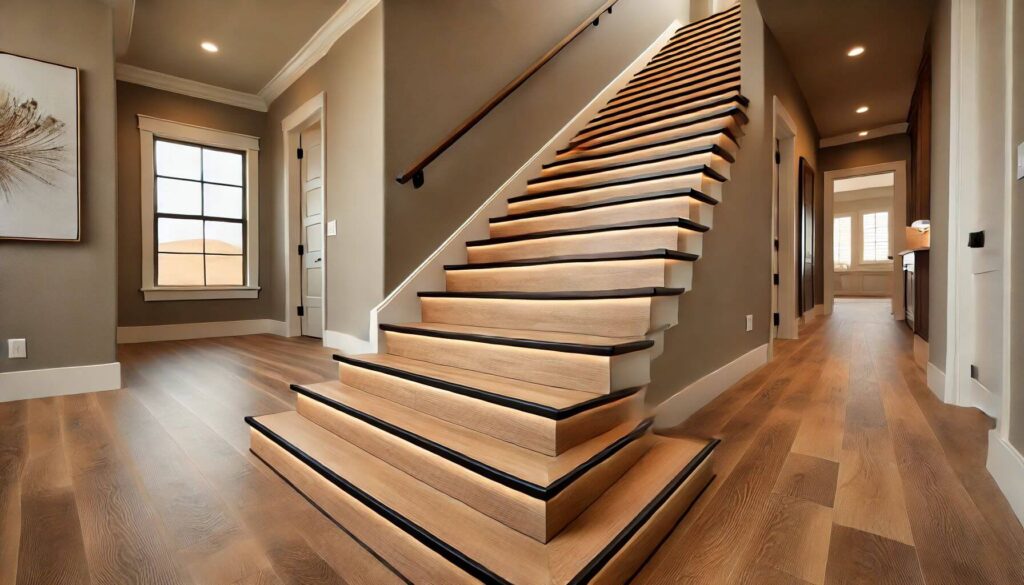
430 537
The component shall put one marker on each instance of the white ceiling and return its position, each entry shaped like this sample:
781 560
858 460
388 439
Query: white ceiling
863 182
870 193
815 36
256 38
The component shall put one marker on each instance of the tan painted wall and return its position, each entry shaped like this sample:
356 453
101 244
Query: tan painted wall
62 297
438 74
940 35
133 100
1016 385
351 76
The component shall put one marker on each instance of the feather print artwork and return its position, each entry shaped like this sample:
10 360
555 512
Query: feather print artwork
32 145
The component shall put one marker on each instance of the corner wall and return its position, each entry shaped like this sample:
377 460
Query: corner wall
62 296
941 109
1016 384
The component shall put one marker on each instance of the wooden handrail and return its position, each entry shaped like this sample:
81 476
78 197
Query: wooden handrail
415 172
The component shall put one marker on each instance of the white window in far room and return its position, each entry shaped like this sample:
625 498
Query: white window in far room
842 242
876 236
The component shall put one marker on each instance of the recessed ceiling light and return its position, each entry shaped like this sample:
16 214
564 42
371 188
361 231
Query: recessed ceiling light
862 109
209 47
864 133
855 51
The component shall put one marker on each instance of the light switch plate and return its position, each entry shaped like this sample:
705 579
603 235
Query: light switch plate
750 322
332 227
1020 161
16 349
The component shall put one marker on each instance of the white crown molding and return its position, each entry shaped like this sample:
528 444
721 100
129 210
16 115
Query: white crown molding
165 82
900 128
316 47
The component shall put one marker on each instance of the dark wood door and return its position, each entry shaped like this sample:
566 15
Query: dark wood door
805 258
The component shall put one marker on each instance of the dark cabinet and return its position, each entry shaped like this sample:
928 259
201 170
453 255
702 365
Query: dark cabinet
919 126
915 274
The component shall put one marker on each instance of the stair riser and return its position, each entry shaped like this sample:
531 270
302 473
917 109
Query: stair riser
696 91
653 238
606 317
632 135
544 435
703 43
661 118
643 154
407 555
715 162
587 373
681 207
576 276
685 66
687 77
672 99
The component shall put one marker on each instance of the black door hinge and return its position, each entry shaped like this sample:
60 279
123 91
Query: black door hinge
775 319
775 278
301 311
298 153
302 249
778 157
776 243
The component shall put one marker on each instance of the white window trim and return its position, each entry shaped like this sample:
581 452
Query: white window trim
151 128
873 263
853 239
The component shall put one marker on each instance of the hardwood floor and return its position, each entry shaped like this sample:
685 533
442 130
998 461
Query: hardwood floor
837 465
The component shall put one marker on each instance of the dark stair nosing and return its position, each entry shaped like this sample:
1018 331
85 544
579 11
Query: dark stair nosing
698 35
622 293
526 406
682 59
635 101
590 128
700 169
693 151
651 109
680 66
606 128
708 21
676 102
450 553
730 80
579 258
559 346
732 112
681 222
641 147
504 478
678 47
687 192
682 80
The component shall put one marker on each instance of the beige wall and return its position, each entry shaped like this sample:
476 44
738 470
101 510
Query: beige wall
940 36
1016 385
351 76
438 74
62 297
133 100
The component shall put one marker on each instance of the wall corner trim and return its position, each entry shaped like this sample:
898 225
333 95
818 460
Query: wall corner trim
350 13
937 381
348 344
179 331
1006 464
189 87
59 381
692 398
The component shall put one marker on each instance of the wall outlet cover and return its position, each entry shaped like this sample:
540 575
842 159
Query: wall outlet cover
16 349
1020 161
750 322
332 227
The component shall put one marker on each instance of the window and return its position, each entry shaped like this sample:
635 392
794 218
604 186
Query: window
876 236
842 242
199 212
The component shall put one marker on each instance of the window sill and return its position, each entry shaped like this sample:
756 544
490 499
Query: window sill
200 293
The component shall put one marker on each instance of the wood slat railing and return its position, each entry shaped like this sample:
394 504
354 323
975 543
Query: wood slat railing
415 172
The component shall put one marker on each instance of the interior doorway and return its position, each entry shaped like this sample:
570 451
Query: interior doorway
865 215
785 233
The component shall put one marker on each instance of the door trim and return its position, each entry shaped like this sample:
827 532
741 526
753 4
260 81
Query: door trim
291 126
784 176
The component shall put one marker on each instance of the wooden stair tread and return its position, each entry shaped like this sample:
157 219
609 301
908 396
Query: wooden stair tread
688 193
642 152
722 43
548 401
711 152
624 293
731 97
696 169
727 83
734 113
535 474
474 542
600 257
553 341
680 222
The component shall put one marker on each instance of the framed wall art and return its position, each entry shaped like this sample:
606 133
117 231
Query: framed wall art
39 150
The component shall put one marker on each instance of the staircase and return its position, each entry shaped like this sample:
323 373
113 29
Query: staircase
504 438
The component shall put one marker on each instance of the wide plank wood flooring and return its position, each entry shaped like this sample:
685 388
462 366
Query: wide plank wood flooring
837 465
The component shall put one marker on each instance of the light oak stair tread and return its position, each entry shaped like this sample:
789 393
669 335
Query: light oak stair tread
623 293
544 340
636 103
676 60
639 153
687 192
476 543
637 166
729 81
576 258
532 473
650 176
546 401
706 23
697 64
680 79
663 137
705 44
735 113
680 222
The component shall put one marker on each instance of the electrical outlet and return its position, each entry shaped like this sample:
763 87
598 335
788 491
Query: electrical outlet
750 322
332 228
1020 161
16 349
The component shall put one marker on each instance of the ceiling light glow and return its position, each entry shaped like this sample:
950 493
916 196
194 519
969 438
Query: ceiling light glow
855 51
209 47
863 133
862 109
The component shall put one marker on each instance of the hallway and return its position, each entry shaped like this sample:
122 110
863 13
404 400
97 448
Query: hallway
837 466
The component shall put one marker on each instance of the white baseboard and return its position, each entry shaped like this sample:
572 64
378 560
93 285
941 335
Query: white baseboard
1006 464
347 344
689 400
937 381
142 334
984 399
59 381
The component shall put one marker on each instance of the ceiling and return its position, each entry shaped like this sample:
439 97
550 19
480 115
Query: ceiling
256 38
815 36
864 182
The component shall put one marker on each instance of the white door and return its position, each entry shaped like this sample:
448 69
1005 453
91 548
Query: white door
312 233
